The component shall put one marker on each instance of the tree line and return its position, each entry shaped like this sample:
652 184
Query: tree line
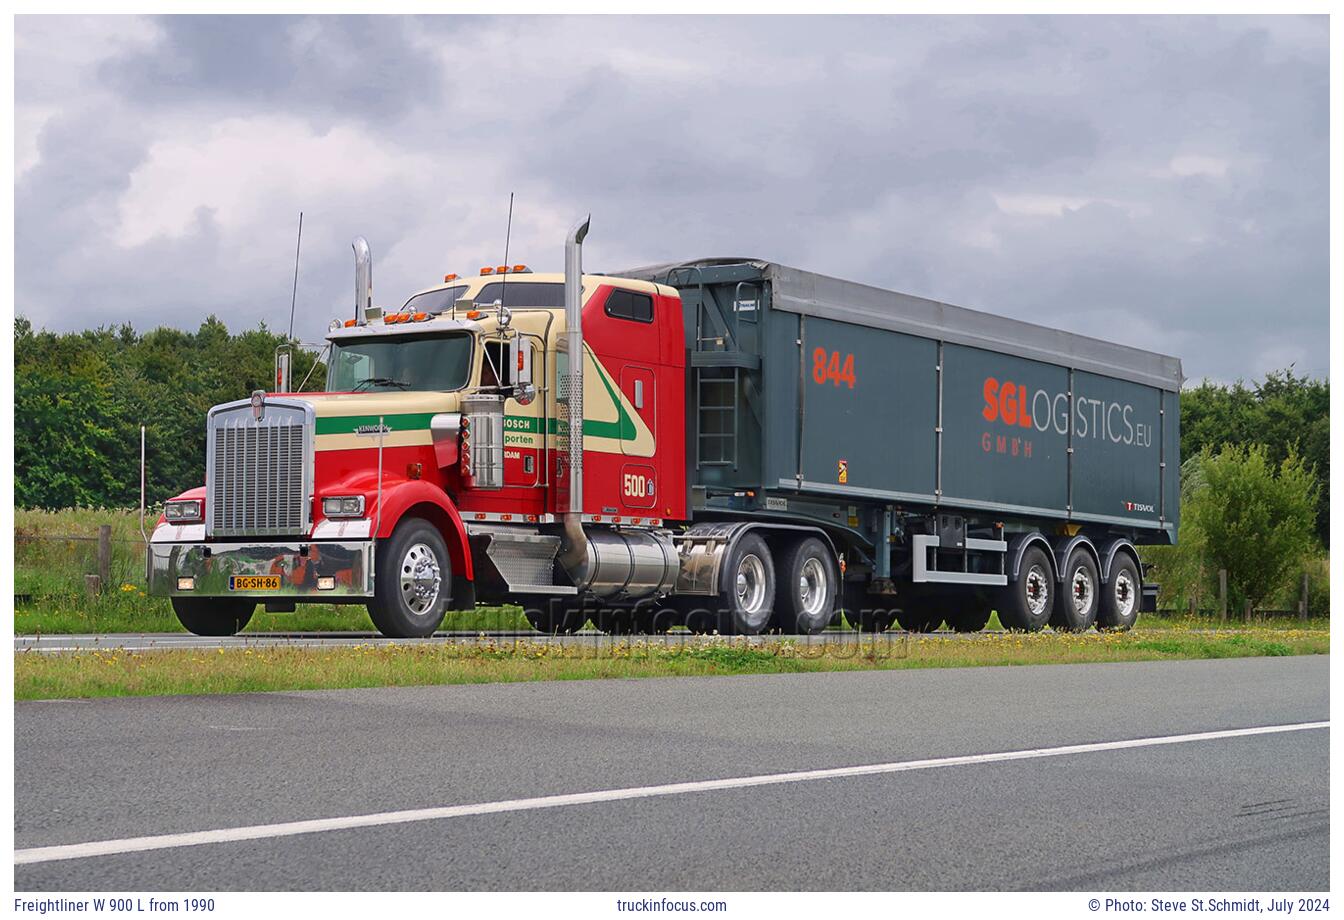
1256 456
81 397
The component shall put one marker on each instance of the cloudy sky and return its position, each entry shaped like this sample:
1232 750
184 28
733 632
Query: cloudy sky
1156 181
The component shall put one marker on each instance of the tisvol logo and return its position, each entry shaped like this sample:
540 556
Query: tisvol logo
1139 506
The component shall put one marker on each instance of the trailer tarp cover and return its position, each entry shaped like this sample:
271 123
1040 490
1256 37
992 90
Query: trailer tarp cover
810 294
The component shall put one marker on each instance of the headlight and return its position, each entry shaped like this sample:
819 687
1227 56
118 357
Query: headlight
343 506
186 511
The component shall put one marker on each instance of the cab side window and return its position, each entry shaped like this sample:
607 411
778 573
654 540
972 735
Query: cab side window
495 370
630 305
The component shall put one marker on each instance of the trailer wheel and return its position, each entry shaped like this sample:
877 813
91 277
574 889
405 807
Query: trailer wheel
413 579
615 621
1121 595
1076 604
747 600
214 616
807 587
862 613
556 615
1025 604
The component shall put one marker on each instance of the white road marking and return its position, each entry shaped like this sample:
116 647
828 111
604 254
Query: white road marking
318 825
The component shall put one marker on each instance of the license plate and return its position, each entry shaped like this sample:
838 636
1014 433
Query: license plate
254 582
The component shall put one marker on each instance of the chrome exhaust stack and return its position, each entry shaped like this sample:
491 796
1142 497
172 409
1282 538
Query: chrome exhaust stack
574 555
363 279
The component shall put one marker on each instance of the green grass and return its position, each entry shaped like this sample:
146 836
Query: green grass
194 671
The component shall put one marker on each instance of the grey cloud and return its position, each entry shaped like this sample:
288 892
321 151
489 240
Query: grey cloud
1021 165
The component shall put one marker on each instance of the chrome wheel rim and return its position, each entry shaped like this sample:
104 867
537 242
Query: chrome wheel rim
750 584
1081 590
1124 594
1038 590
420 578
812 587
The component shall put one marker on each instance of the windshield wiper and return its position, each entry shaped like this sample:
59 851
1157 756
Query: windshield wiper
381 382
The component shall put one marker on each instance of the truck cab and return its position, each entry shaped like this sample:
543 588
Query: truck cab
448 416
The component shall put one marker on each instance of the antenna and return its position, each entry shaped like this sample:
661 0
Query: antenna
508 233
294 295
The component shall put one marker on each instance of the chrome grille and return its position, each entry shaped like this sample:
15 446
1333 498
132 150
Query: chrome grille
258 471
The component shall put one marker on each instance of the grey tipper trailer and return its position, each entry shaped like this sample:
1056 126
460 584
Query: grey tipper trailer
958 461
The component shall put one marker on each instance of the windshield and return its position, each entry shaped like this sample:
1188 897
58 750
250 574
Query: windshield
400 362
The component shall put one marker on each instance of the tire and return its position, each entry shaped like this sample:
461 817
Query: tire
805 593
1117 612
866 612
413 581
214 616
745 605
1025 605
615 621
554 616
920 615
1078 597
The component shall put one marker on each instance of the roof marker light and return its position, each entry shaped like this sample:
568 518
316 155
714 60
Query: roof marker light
487 271
450 277
520 268
349 323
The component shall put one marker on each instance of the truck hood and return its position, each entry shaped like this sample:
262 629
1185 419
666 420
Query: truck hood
349 421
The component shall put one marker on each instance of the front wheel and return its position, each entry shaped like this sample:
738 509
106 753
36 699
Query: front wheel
412 579
214 616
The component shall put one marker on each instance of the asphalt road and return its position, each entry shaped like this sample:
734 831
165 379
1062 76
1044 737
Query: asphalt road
1229 813
151 642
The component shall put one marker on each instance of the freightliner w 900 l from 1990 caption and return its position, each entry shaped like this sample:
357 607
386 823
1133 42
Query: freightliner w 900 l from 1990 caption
731 445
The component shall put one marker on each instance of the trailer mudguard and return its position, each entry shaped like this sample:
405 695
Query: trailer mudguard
1066 545
406 495
1017 545
1108 552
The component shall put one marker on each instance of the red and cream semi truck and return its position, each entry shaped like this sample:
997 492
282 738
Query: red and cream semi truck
741 447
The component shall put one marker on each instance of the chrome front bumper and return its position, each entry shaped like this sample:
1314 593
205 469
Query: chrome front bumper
299 565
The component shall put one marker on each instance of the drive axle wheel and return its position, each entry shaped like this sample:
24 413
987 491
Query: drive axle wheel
412 577
746 600
214 616
805 595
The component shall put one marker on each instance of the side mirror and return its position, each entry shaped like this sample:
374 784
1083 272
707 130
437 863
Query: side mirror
520 364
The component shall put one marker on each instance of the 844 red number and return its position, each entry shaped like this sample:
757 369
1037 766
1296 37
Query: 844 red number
830 366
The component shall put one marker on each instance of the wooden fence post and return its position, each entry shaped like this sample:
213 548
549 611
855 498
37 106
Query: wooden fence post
1302 604
1222 595
104 555
93 586
1248 611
